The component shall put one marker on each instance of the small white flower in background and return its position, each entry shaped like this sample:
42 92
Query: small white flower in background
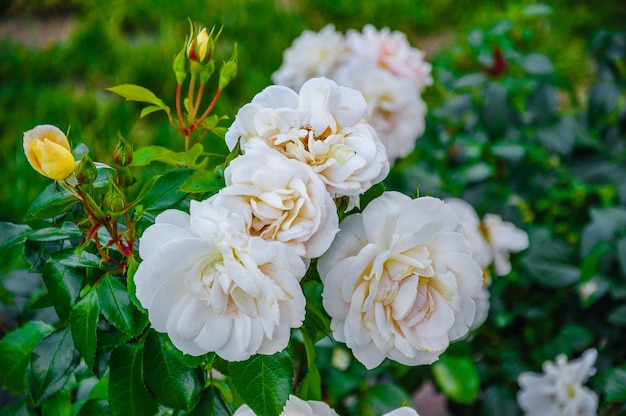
298 407
324 126
505 238
212 287
395 110
281 199
295 407
399 281
391 51
311 55
491 240
559 391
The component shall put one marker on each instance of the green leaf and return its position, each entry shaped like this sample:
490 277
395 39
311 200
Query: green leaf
131 288
63 284
171 382
498 401
12 235
83 322
165 193
548 263
456 374
73 258
263 382
537 9
149 154
92 407
384 398
59 404
311 385
537 64
203 181
150 109
510 151
137 93
621 255
613 384
543 104
127 393
559 137
211 404
618 316
51 364
67 230
15 351
55 200
117 308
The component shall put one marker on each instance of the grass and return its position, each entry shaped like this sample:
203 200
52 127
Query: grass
134 42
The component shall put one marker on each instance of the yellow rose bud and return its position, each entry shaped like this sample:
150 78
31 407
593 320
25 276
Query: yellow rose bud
48 152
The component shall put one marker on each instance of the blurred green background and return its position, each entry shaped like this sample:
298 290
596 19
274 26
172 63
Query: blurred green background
58 56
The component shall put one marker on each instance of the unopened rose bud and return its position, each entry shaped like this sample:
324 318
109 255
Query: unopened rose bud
48 152
123 152
228 69
201 43
86 172
180 66
114 200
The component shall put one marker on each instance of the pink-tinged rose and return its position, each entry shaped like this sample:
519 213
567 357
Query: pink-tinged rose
296 407
399 281
211 286
281 199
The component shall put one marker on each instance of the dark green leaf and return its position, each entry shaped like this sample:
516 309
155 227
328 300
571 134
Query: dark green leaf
543 104
511 151
83 322
537 9
603 100
72 258
591 261
12 235
476 172
496 113
117 308
203 181
65 231
470 80
548 263
63 284
311 385
618 316
457 376
127 393
95 407
621 255
16 409
211 404
131 289
385 398
498 401
263 382
59 404
138 93
51 364
559 137
15 351
165 193
613 384
171 382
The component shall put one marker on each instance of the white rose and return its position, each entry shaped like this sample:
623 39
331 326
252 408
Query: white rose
312 54
324 126
281 199
296 407
396 110
399 281
559 390
212 287
403 411
469 219
391 51
505 238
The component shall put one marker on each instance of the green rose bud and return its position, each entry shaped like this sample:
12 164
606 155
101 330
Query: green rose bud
180 66
123 152
86 172
228 69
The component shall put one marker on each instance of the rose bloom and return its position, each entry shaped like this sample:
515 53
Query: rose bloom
469 219
48 152
399 280
559 391
391 51
298 407
396 110
505 238
311 55
324 126
213 287
281 199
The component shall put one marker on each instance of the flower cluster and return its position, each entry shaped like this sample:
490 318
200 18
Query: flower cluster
381 64
559 391
299 407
